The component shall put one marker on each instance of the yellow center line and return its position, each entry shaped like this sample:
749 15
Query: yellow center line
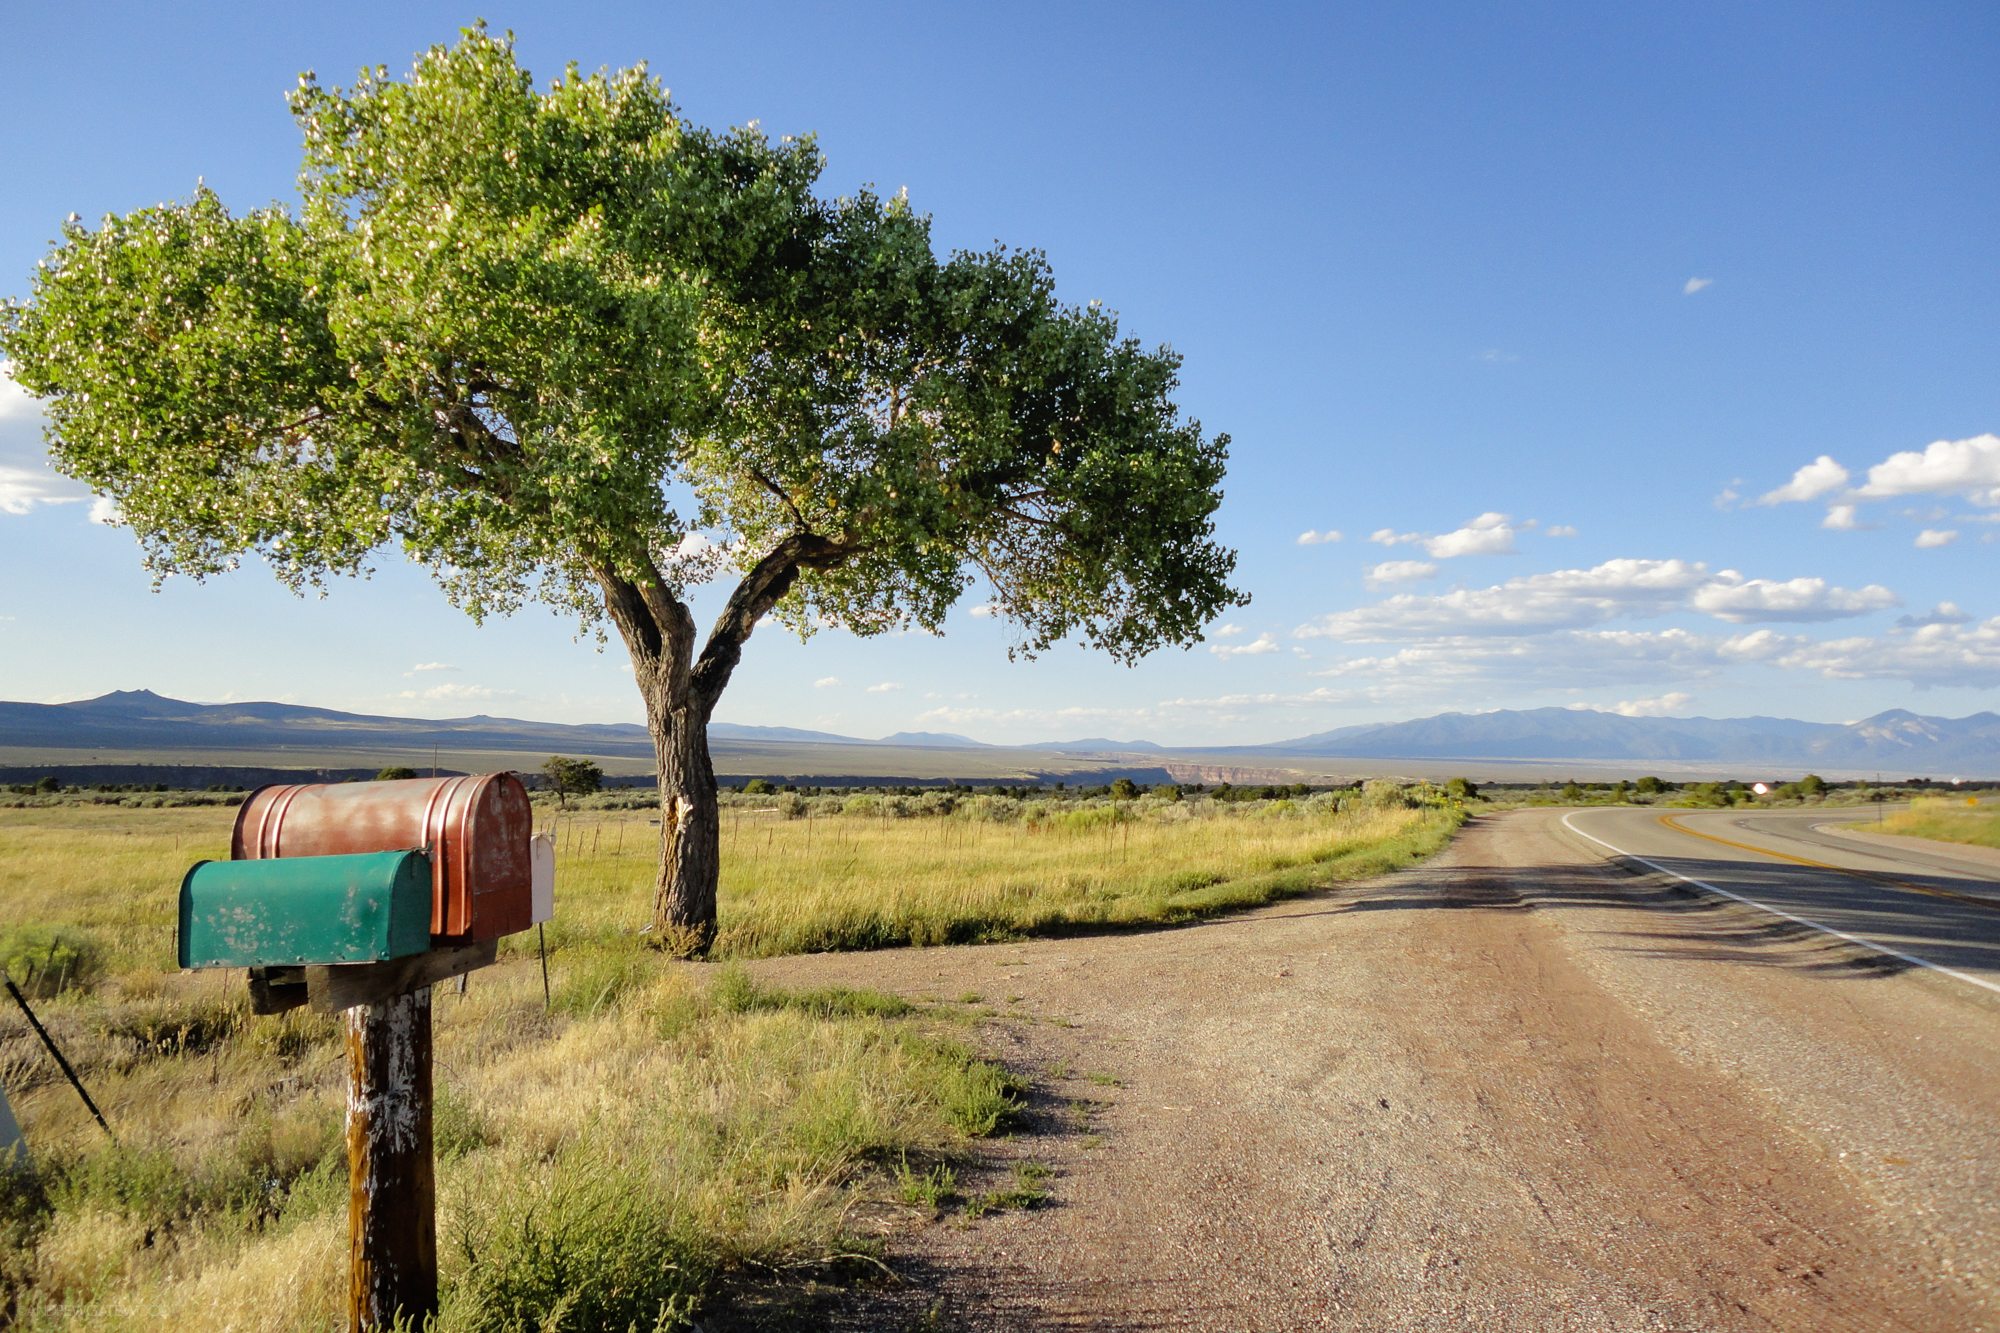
1990 904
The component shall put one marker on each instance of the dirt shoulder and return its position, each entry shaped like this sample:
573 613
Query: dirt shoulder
1506 1090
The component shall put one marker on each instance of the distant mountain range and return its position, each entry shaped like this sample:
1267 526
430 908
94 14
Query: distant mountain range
1897 741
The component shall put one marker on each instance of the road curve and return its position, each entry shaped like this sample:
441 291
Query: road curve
1529 1085
1915 905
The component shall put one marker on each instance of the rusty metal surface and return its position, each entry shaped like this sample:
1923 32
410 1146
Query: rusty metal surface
476 830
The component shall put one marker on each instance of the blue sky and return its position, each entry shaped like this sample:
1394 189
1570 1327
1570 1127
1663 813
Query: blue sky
1462 278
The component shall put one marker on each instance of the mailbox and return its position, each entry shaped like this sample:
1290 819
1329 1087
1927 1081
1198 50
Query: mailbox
306 910
476 830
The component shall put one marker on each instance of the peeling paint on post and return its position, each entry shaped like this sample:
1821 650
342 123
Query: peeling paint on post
392 1208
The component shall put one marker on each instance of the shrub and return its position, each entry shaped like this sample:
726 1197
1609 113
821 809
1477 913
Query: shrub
759 787
45 960
396 775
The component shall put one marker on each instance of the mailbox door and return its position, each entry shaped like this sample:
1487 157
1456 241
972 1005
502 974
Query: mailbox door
476 829
305 910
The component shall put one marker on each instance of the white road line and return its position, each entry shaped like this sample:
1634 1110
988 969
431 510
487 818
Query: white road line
1953 973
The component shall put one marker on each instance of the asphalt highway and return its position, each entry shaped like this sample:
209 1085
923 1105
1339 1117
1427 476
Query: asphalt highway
1922 905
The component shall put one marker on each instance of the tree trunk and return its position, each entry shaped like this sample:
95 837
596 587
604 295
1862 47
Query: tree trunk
690 834
681 691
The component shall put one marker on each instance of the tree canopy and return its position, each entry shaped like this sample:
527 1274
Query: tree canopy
562 345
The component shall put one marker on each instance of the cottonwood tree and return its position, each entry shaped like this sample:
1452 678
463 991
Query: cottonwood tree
562 346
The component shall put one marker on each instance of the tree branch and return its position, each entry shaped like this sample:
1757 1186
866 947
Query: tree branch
760 590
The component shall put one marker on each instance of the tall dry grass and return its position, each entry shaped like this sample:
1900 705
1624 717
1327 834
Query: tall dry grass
1946 820
663 1119
865 881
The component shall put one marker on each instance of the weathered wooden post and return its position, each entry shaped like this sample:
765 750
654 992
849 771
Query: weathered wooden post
392 1195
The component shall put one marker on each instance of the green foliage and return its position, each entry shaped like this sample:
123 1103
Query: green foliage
572 777
396 775
46 960
1124 789
1812 784
1461 789
759 787
507 321
1651 786
1572 792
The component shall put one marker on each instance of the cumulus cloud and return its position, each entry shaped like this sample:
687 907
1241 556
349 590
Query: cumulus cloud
1944 613
1817 478
1663 705
1390 537
1843 518
1460 667
1398 571
1262 644
1740 601
1931 655
827 683
1968 467
1533 604
1694 285
984 610
1489 534
1228 631
886 687
1311 538
1930 537
1561 530
22 488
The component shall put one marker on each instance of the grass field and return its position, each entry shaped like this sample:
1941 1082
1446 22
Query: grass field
1946 820
662 1119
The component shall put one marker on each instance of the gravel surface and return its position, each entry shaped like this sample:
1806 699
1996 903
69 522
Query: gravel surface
1510 1089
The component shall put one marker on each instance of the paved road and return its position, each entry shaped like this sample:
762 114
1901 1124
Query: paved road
1920 905
1517 1088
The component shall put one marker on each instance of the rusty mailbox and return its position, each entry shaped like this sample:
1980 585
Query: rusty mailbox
476 831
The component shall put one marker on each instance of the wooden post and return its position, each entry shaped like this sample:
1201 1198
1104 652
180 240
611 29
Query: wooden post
392 1203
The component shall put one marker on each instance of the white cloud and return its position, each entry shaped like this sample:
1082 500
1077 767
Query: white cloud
1694 285
1533 604
464 693
1932 655
1229 631
886 687
1842 518
430 666
1944 613
21 489
1664 705
1460 668
1930 537
104 510
1310 538
1561 530
15 402
1731 597
1390 537
984 610
827 683
1262 644
1815 479
1489 534
1398 571
1969 467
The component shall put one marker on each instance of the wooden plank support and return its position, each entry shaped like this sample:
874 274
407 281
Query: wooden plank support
273 990
335 987
392 1193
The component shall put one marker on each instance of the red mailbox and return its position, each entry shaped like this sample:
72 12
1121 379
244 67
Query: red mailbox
476 830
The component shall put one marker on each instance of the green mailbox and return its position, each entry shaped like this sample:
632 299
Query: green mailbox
298 910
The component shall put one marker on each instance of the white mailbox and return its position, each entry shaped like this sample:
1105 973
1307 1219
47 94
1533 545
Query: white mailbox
541 878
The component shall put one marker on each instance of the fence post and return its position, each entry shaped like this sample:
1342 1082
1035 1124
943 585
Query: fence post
392 1203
